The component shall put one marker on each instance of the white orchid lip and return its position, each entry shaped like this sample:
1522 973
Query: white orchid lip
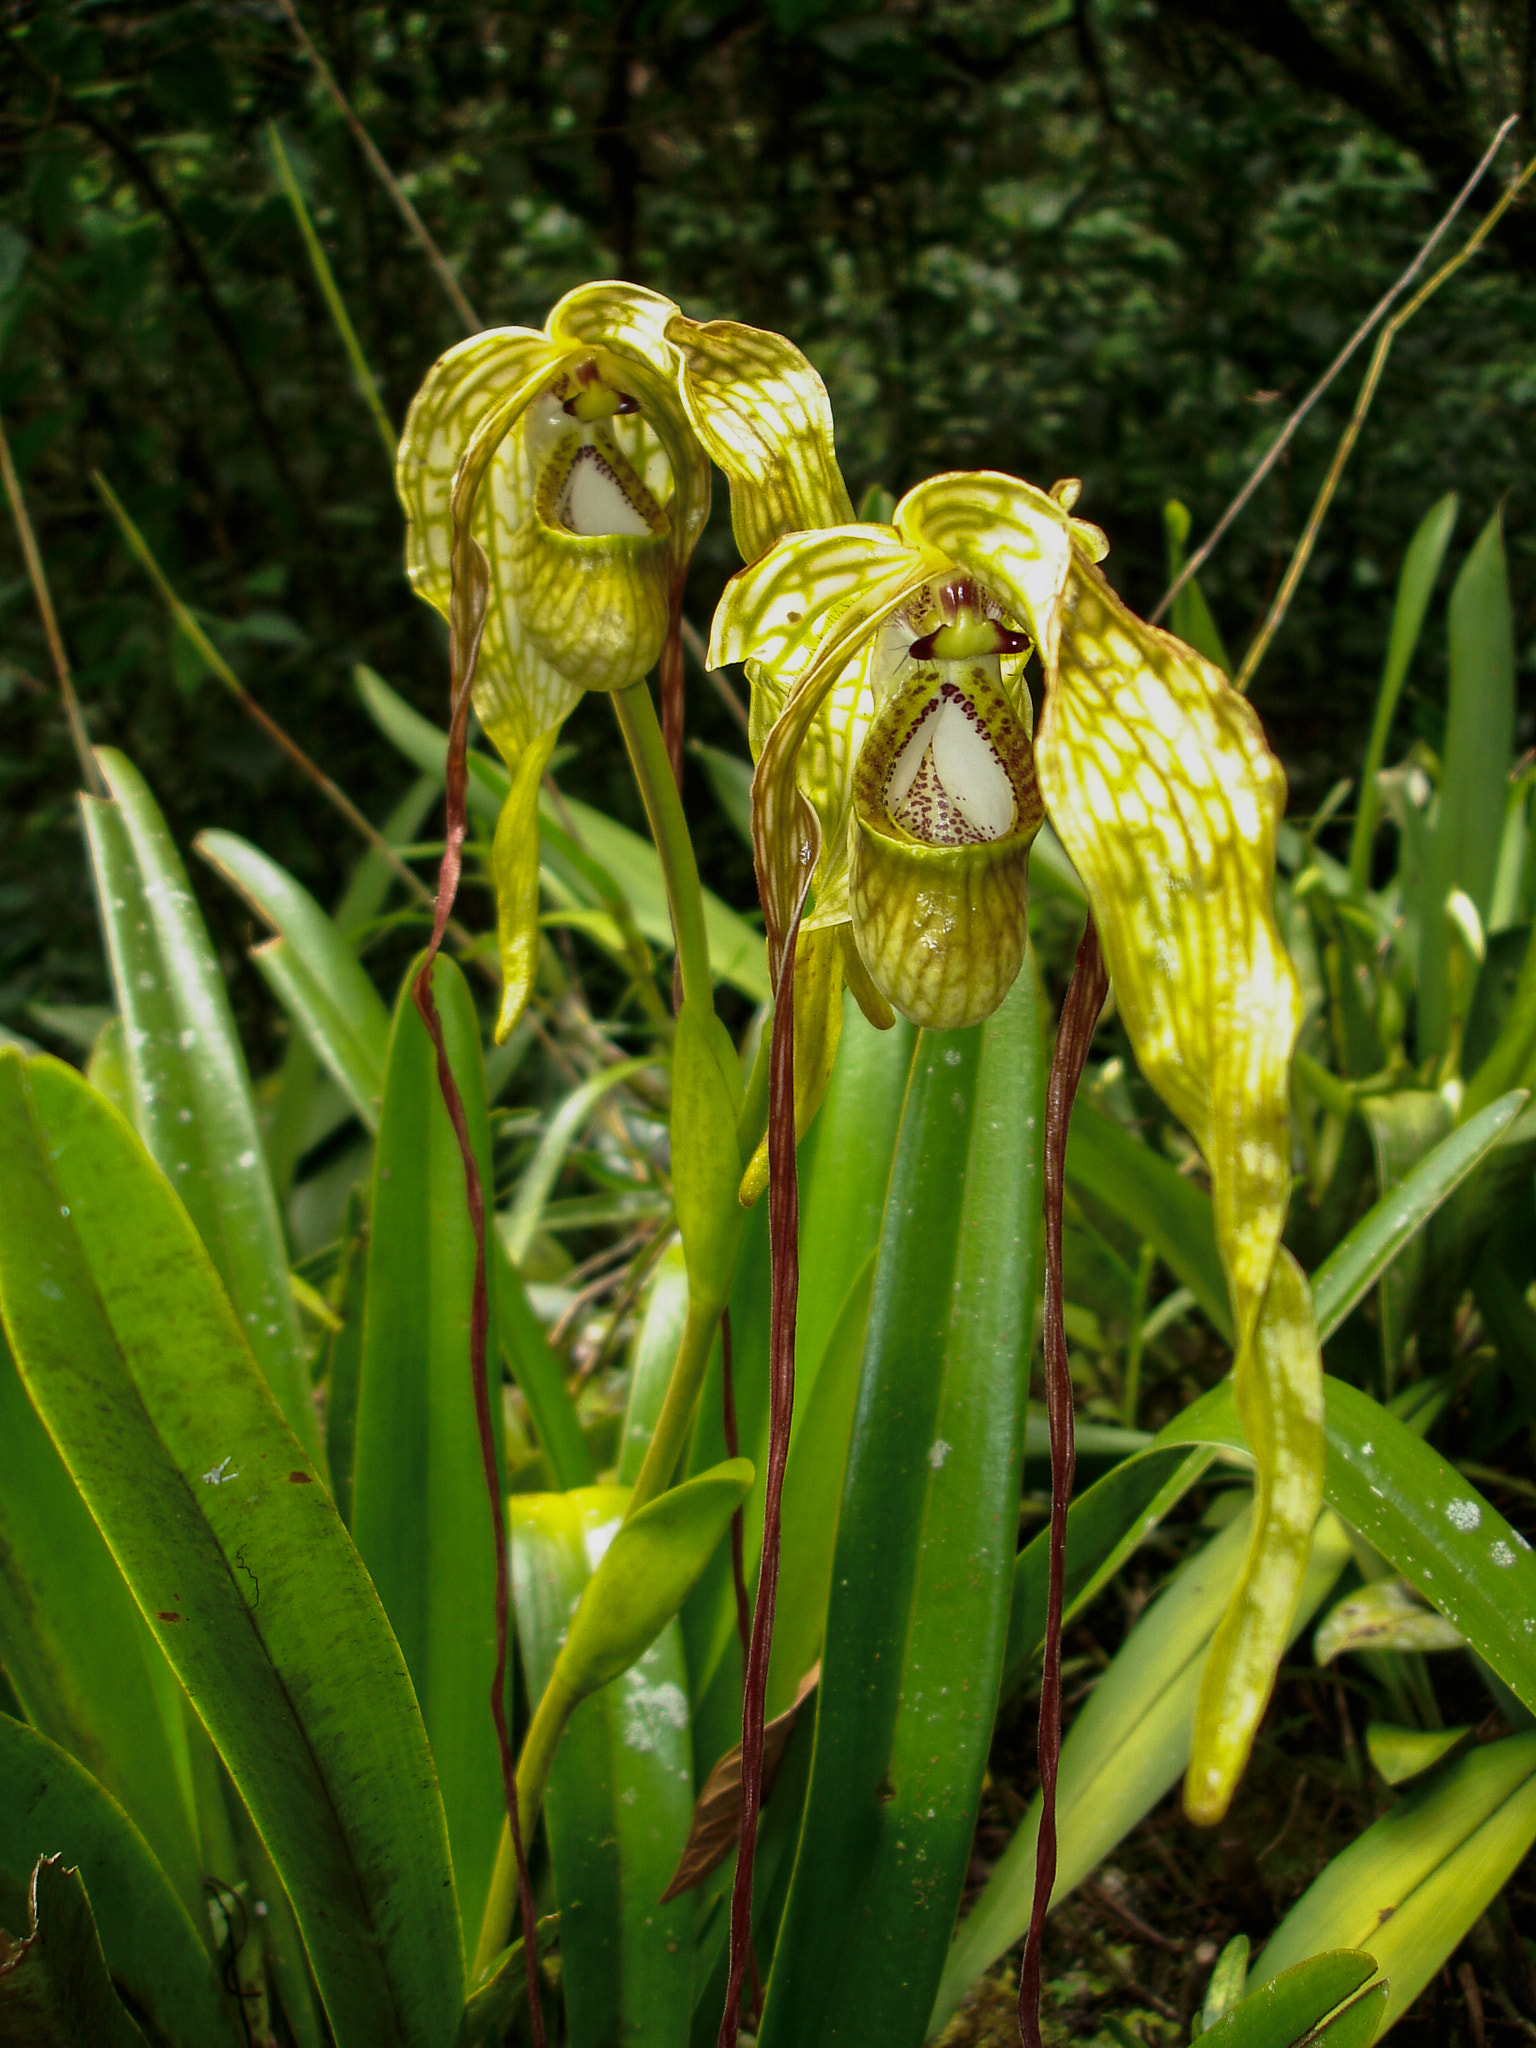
593 501
948 785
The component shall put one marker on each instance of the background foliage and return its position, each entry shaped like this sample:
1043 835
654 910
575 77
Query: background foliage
1106 237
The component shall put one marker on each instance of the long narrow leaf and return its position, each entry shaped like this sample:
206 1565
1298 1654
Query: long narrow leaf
191 1092
420 1516
138 1365
923 1562
311 969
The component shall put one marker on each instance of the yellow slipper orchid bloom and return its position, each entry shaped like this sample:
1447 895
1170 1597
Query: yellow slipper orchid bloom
897 777
555 483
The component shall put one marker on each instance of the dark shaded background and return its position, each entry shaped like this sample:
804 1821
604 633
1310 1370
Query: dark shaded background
1109 238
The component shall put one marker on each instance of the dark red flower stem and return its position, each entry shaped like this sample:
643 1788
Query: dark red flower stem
784 1259
1079 1017
738 1520
479 1314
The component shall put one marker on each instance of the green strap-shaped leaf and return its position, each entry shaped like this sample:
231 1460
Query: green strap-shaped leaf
153 1946
73 1644
54 1987
191 1091
1423 1516
1283 2013
136 1361
1353 1266
1411 1886
923 1562
620 1795
845 1165
420 1516
1479 745
311 969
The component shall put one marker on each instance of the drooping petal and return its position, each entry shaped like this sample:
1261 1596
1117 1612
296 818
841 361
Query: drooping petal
763 414
1163 791
1011 537
786 832
515 871
461 388
775 616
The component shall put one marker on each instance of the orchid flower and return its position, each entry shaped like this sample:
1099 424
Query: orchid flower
555 483
899 780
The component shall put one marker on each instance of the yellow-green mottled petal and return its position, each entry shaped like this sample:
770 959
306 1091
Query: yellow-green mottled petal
1013 538
763 414
459 390
615 314
776 611
818 1028
1279 1402
1161 787
515 870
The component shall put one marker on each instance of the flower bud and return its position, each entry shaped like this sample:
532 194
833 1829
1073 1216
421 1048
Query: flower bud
945 808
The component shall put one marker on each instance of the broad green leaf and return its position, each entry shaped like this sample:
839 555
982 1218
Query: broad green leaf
539 1374
137 1363
1479 745
420 1516
1355 2025
1428 1521
1403 1753
153 1946
344 1352
1415 586
311 969
706 1161
644 1576
651 1358
1228 1979
845 1164
1412 1885
924 1547
54 1988
735 949
1105 1162
619 1796
1354 1266
1128 1746
191 1092
73 1644
1283 2013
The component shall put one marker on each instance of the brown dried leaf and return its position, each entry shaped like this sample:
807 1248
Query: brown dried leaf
717 1811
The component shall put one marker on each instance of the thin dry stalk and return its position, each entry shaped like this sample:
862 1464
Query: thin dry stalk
386 177
1377 313
37 575
1351 434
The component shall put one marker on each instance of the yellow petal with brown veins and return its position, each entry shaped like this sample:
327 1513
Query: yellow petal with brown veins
1161 786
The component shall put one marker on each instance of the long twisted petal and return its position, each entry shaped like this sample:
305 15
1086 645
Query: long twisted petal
1158 780
459 390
